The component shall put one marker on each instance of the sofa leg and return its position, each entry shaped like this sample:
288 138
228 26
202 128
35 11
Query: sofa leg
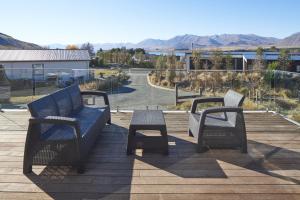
201 148
109 121
190 133
27 169
80 169
244 149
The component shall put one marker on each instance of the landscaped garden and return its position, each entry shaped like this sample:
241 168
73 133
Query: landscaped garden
265 90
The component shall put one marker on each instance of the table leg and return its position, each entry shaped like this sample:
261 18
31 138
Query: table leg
164 135
130 142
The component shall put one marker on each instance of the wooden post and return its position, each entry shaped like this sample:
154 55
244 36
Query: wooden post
176 94
256 96
200 91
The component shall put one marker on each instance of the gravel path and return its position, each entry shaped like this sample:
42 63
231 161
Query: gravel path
138 94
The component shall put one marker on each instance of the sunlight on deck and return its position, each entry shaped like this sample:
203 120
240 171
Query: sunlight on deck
270 170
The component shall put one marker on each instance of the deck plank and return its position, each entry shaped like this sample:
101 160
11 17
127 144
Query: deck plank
270 170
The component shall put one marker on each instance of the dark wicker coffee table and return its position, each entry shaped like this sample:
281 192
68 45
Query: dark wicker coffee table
147 120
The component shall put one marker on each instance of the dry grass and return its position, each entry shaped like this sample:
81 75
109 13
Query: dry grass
25 96
106 72
296 116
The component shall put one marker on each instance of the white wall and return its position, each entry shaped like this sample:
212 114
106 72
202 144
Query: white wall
23 70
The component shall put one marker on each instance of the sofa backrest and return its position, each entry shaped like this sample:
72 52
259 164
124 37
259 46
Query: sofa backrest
233 99
45 106
76 98
63 102
60 103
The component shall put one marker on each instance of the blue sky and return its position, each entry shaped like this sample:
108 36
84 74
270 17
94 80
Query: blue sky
99 21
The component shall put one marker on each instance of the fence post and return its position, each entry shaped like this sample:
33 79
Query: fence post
256 96
200 91
176 94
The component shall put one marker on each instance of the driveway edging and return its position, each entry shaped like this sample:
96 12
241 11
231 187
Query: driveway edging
156 86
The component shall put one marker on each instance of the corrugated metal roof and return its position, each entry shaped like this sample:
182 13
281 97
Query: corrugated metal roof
44 55
251 55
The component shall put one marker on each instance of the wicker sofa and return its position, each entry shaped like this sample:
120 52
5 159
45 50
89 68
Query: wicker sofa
219 127
62 129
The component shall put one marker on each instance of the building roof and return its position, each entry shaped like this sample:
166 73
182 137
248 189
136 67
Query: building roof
44 55
251 55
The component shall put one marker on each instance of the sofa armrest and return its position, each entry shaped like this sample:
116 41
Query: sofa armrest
205 100
97 93
57 120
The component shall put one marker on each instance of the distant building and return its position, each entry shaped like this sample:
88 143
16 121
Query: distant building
40 64
245 60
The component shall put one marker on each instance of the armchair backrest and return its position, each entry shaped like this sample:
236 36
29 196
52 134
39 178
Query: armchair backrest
233 99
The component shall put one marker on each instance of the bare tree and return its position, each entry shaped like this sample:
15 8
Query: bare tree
217 59
284 59
259 63
228 62
88 46
196 56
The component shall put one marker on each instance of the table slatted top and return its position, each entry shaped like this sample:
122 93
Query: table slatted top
147 118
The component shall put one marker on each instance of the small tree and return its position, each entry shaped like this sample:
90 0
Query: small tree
269 76
273 66
259 60
88 46
170 73
284 59
196 57
228 62
217 60
140 56
273 48
160 65
72 47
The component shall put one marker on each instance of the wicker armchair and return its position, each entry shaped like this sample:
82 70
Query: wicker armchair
219 127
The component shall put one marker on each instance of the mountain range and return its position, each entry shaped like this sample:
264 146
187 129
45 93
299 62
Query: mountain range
8 42
178 42
216 41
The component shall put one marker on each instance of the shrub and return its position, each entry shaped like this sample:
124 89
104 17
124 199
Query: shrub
285 93
88 86
296 117
243 90
250 105
164 83
286 104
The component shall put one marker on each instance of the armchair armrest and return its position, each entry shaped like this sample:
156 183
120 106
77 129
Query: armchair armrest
206 100
58 120
97 93
222 109
217 110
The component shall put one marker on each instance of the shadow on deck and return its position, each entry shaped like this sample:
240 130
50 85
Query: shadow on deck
271 168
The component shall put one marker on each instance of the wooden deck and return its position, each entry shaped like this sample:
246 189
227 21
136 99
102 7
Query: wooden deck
271 169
